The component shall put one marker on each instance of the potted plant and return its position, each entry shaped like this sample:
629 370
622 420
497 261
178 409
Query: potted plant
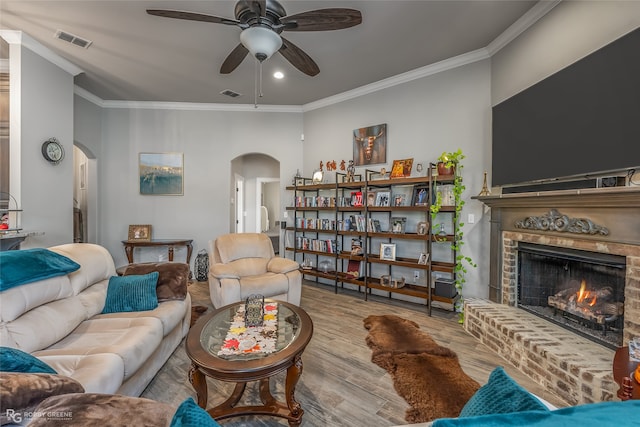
452 161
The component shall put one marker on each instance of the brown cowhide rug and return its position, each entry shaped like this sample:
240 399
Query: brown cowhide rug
425 374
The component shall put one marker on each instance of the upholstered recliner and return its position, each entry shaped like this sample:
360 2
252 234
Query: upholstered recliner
244 263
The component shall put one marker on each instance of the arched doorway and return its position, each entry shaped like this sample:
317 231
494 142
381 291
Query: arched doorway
255 178
84 195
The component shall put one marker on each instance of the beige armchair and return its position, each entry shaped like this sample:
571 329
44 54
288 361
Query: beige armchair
244 263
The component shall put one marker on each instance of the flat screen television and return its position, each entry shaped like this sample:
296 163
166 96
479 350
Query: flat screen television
584 119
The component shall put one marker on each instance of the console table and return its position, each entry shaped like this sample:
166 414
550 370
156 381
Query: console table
129 245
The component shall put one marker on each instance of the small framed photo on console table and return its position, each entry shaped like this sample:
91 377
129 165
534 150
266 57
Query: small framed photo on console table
140 232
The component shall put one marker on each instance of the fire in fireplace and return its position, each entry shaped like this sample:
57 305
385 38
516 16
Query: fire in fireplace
582 291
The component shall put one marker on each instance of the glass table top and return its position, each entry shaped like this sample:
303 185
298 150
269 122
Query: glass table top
224 337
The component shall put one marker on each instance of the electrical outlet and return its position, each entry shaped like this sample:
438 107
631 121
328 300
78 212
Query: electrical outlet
416 276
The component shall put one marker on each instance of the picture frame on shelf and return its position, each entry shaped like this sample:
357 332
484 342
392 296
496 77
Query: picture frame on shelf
376 226
140 232
423 258
421 196
401 168
371 198
422 228
388 251
383 198
397 224
399 199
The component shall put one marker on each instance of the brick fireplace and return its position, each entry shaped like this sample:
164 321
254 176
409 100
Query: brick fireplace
597 221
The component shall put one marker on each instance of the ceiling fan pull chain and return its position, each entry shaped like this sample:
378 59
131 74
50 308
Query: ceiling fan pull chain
261 95
255 87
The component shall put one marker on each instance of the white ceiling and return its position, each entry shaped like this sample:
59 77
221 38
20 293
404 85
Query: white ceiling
139 57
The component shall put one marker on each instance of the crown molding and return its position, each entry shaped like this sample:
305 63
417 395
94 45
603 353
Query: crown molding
532 16
193 106
23 39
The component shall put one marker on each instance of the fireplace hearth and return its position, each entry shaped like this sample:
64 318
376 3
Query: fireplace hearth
579 290
589 236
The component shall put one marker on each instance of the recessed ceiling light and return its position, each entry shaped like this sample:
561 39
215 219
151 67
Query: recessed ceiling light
278 75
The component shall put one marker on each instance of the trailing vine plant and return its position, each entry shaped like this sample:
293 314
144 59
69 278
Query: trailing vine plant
453 160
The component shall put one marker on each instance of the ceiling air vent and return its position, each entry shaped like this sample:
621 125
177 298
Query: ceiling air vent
230 93
68 37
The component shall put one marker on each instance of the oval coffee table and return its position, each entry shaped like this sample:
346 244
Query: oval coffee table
205 340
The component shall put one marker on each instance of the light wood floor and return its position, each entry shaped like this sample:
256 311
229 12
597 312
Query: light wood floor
340 386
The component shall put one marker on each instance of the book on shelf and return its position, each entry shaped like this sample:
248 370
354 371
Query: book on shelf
356 198
353 268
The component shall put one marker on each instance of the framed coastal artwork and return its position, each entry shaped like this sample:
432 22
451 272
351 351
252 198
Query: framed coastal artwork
161 174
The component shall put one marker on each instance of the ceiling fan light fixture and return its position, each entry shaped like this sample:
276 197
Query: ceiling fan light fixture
261 42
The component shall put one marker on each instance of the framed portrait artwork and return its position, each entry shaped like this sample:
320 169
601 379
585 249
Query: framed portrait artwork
382 198
161 174
423 258
401 168
370 145
397 224
388 251
420 196
422 228
140 232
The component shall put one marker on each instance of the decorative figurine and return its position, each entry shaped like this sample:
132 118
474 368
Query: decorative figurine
342 165
351 172
254 310
485 189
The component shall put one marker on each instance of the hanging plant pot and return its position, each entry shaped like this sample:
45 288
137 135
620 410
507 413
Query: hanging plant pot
444 170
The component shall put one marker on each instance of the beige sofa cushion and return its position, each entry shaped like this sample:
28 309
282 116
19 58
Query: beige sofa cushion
231 247
103 372
133 339
170 313
96 264
44 325
20 299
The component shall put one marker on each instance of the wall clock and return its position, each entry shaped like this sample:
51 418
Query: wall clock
53 151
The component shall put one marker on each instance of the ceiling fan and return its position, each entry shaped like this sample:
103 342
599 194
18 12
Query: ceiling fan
262 22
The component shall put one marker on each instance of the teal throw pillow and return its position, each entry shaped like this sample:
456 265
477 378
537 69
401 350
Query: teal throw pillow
501 395
131 293
189 414
30 265
14 360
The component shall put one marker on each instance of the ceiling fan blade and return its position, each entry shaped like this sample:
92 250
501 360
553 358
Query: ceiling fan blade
298 58
192 16
234 59
322 20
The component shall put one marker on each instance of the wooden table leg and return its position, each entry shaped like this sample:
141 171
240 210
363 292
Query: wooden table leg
226 408
128 250
293 375
199 382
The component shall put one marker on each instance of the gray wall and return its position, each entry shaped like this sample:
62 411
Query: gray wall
43 109
209 141
571 31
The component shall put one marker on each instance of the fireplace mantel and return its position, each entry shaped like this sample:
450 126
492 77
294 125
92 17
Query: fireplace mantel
615 208
614 197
